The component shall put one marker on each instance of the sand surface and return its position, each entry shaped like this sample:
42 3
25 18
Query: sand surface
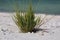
9 30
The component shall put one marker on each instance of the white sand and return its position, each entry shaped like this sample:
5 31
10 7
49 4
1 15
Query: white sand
9 31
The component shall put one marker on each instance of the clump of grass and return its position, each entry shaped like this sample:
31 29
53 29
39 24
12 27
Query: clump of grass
26 21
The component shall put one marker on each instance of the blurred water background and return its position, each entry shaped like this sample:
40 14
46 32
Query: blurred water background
39 6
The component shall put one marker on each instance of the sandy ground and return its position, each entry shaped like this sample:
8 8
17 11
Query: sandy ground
9 31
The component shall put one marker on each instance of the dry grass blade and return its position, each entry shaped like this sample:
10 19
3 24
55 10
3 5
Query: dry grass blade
45 22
